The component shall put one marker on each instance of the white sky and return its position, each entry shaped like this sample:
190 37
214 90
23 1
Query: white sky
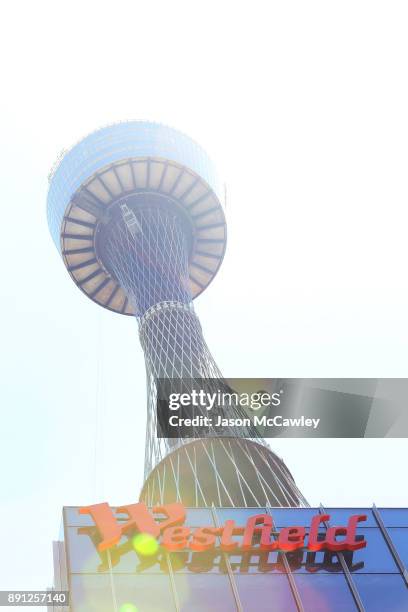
303 105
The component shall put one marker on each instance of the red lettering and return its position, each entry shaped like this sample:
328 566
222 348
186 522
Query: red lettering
349 542
315 544
176 515
176 538
291 538
111 530
230 529
265 528
140 519
204 538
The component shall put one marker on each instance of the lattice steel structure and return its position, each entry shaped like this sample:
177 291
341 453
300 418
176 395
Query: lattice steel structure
136 212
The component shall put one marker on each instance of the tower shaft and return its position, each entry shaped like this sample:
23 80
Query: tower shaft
147 251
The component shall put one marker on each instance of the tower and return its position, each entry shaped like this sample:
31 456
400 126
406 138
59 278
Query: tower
135 210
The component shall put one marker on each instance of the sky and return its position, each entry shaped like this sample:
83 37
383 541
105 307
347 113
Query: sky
303 107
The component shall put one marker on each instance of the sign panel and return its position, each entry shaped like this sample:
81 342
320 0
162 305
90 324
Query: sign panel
166 525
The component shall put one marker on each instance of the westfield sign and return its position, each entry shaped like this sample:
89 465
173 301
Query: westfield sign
258 532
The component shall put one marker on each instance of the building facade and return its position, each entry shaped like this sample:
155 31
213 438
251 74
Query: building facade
372 578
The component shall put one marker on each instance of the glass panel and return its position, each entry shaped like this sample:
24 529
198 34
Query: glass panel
375 557
260 562
239 515
199 517
202 593
399 537
213 561
260 593
198 562
85 558
325 593
293 517
382 593
93 593
340 516
394 517
241 562
301 561
146 593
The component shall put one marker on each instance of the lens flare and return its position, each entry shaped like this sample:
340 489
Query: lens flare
145 544
128 607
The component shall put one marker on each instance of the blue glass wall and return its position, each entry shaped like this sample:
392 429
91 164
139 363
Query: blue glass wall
259 581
